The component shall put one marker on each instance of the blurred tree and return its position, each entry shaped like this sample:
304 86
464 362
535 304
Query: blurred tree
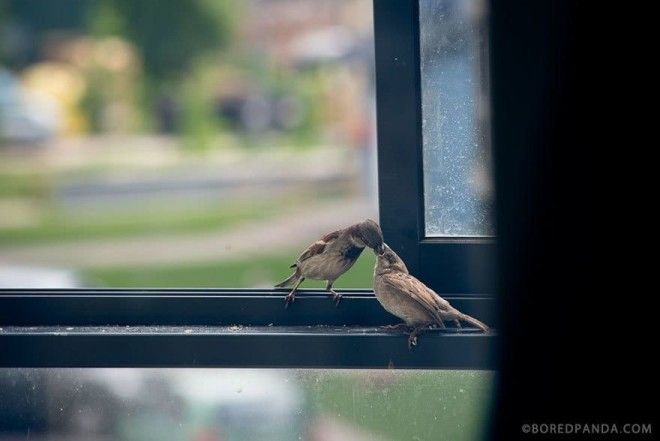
24 22
169 35
199 123
171 38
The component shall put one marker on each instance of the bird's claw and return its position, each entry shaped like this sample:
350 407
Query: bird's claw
290 298
336 297
412 341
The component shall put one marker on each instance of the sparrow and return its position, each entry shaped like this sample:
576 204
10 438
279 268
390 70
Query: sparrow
409 299
331 256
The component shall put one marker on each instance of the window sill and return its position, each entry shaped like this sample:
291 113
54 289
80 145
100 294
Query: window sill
180 328
239 346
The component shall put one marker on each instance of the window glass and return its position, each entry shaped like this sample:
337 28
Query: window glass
456 155
242 404
189 143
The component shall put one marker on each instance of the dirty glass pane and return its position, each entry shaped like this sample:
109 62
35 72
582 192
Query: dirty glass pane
457 175
242 404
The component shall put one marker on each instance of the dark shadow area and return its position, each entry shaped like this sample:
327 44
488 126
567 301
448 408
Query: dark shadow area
576 320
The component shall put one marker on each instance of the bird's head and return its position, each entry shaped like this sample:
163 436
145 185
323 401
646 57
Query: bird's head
369 233
388 260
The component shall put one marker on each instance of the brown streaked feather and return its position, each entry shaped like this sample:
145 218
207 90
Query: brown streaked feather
331 236
314 249
317 247
409 286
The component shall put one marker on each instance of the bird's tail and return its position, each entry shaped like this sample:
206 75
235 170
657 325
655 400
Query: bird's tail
293 277
473 321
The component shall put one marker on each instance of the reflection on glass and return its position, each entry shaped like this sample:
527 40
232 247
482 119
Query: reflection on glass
457 181
242 404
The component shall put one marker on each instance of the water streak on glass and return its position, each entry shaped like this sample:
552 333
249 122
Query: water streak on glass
457 181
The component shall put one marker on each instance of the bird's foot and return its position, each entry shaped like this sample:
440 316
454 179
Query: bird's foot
335 296
412 338
290 298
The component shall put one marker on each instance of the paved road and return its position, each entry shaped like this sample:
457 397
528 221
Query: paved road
292 230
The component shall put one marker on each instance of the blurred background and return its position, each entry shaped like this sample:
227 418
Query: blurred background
197 143
242 405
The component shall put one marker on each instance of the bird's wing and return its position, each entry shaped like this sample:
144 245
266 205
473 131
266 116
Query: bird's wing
331 236
413 289
316 248
319 246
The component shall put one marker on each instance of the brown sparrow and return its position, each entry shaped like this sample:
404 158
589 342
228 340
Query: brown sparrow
332 256
409 299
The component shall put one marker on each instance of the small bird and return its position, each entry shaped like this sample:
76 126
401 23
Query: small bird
409 299
331 256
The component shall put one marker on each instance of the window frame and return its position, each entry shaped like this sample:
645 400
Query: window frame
447 264
251 328
225 328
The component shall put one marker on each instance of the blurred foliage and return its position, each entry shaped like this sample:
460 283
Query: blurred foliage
163 42
200 123
169 35
32 185
172 38
182 62
27 21
310 88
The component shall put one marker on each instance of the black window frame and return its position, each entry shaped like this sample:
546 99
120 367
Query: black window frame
251 328
447 264
224 328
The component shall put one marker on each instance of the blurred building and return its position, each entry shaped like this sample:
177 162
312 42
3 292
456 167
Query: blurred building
285 29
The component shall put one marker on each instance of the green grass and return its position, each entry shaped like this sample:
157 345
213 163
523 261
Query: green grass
79 224
405 405
33 185
247 272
